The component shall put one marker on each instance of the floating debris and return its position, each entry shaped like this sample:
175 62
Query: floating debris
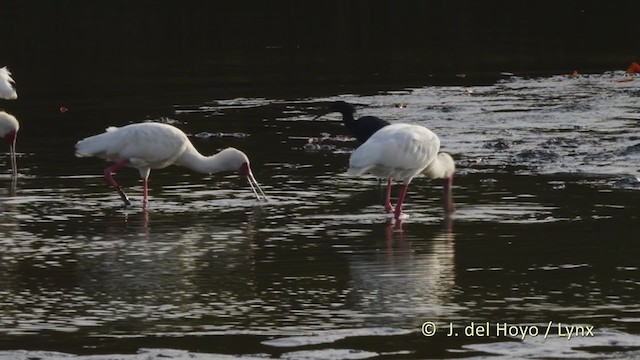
164 120
631 182
540 155
633 68
561 142
316 144
206 135
632 149
500 144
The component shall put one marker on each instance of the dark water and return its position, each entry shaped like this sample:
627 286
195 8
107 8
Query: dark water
546 187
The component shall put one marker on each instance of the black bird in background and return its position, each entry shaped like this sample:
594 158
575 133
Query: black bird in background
361 129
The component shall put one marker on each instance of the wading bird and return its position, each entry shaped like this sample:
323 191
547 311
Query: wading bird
400 152
360 129
8 124
147 146
9 131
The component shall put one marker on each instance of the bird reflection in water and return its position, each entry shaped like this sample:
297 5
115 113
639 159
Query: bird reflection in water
412 275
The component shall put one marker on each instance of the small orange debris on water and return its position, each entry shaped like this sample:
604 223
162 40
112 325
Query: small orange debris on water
633 68
575 74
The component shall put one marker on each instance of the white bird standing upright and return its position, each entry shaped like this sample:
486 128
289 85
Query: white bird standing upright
8 123
9 132
400 152
147 146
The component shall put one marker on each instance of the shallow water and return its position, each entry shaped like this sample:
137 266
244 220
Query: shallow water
544 230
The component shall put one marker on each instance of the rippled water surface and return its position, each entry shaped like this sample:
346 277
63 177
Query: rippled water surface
545 230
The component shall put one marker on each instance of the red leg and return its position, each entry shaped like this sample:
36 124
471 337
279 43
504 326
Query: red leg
108 175
403 193
387 202
144 174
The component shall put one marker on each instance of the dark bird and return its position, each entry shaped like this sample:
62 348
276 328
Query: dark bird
361 129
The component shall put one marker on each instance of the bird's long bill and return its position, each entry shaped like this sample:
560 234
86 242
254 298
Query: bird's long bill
14 162
254 185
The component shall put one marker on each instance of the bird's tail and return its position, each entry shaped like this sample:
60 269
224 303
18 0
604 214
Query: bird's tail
94 145
7 91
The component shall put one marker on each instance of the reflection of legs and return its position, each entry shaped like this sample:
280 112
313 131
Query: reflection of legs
387 202
403 193
449 206
393 228
108 175
145 186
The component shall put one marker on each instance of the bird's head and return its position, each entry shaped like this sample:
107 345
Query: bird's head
340 106
449 165
236 159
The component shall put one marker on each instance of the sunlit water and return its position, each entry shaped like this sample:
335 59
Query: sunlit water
545 230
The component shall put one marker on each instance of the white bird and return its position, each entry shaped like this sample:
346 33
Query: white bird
9 132
7 91
147 146
8 124
400 152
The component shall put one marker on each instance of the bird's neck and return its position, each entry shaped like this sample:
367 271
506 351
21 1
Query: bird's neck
195 161
347 118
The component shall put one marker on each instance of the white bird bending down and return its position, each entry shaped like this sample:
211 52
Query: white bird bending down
7 91
9 132
147 146
402 151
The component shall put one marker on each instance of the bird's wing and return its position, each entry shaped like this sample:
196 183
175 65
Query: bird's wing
146 144
399 146
366 156
96 145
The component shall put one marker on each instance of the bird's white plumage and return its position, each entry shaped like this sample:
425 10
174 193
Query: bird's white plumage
9 127
147 145
7 91
398 151
8 123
